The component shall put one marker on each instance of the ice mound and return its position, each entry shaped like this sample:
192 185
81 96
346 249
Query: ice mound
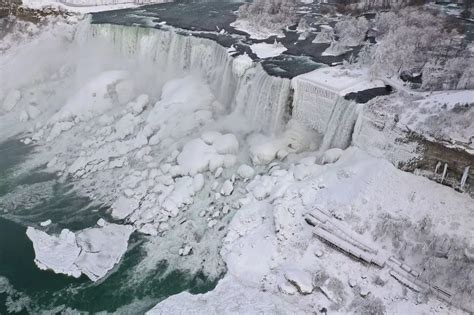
93 251
94 98
197 156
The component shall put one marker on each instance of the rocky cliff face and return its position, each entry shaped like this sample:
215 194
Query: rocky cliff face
15 8
381 133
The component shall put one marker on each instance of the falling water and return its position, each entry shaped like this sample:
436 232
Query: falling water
262 98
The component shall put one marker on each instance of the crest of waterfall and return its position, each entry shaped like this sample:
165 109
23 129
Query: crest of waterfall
260 97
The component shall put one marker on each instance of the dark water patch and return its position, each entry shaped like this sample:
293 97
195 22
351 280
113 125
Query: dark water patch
289 66
12 153
195 16
366 95
210 18
17 263
123 288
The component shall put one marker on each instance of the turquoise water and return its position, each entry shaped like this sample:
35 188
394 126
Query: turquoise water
39 290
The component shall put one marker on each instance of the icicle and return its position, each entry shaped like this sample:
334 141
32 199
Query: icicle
464 176
437 167
445 170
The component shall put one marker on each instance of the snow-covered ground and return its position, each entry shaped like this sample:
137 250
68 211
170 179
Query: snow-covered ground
180 159
276 264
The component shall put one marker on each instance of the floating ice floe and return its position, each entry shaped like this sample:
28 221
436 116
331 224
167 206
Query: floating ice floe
92 251
265 50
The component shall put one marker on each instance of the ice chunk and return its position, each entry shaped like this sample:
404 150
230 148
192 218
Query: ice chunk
92 251
46 223
123 207
102 248
265 50
195 156
226 144
301 279
227 188
245 171
331 156
58 253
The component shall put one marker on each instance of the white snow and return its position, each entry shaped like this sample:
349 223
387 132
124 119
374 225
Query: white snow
255 32
265 50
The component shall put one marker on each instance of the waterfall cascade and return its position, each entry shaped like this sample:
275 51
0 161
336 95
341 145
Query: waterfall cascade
326 112
262 98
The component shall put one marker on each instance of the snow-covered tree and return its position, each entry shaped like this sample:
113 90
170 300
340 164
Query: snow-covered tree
325 36
352 31
413 41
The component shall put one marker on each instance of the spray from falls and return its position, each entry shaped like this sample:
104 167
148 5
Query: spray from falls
261 98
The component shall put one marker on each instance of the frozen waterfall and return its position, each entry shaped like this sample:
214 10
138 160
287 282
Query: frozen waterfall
262 98
248 90
325 111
